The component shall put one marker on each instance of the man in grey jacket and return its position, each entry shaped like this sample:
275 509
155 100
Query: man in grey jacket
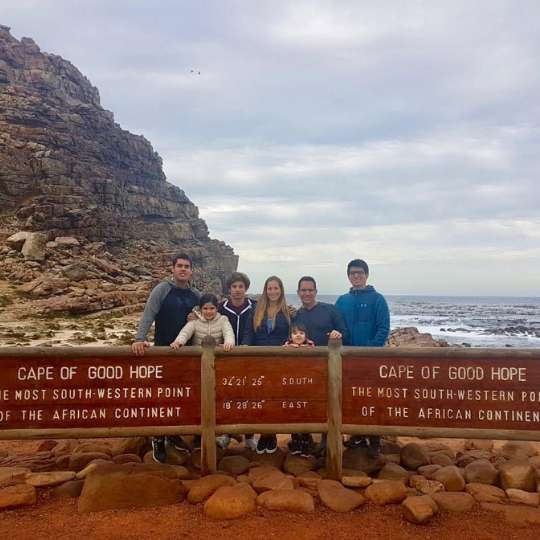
168 305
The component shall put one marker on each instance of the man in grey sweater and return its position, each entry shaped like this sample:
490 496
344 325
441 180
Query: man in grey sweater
168 305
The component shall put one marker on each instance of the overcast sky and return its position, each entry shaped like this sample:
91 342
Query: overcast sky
404 133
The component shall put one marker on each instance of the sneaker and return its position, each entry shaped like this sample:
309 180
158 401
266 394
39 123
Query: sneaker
295 444
223 441
307 445
271 444
197 442
261 444
356 441
158 449
177 443
250 443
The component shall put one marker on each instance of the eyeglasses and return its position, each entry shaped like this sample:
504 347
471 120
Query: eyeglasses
357 273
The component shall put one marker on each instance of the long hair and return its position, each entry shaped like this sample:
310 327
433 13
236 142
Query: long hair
263 303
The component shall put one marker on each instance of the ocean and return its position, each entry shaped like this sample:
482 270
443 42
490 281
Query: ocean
478 321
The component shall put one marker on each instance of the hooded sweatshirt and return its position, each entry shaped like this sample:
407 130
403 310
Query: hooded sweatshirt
239 318
168 305
366 315
219 328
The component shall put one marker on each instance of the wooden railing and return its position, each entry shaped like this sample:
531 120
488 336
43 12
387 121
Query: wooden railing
108 392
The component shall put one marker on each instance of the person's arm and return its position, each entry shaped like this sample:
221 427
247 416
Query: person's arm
229 338
151 309
382 324
185 334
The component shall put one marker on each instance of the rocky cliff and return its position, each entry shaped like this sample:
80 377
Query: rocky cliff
68 170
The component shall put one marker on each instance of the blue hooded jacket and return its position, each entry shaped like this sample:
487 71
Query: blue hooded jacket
366 315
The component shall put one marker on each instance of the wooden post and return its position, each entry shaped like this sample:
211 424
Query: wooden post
208 407
334 457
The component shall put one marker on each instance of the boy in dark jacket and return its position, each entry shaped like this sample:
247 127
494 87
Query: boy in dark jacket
367 318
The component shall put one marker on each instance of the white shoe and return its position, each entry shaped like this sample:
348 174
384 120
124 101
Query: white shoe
251 443
223 441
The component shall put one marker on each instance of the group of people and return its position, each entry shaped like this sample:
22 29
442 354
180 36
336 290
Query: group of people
182 316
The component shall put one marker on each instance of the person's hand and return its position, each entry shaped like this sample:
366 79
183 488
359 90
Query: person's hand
292 311
138 347
191 316
334 334
227 346
176 344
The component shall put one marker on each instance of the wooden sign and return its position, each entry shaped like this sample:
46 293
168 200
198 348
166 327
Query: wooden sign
271 390
467 390
63 390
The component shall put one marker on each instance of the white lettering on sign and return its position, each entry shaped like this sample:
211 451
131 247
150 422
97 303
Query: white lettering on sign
509 415
41 373
30 394
509 374
147 412
146 372
298 381
361 391
294 404
5 415
105 372
367 410
391 392
435 413
4 395
396 372
79 414
398 412
174 391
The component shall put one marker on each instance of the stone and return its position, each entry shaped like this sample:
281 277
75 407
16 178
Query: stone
519 496
339 498
386 492
356 481
271 460
92 466
478 444
450 477
10 476
130 445
439 458
453 501
93 447
515 515
183 473
425 486
17 240
49 479
391 471
360 460
234 464
79 461
518 450
18 495
518 474
485 492
130 485
34 247
66 241
296 465
419 509
231 502
428 470
72 489
289 500
270 479
481 471
202 488
413 456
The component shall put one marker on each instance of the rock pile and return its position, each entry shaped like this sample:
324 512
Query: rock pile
119 474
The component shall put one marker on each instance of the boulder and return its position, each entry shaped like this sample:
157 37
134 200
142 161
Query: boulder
360 460
478 444
202 488
296 465
356 481
34 247
270 460
425 486
72 489
92 466
79 461
130 485
93 447
428 470
17 240
130 445
440 458
391 471
289 500
231 502
519 496
18 495
66 241
518 450
464 458
453 501
127 458
419 509
49 479
339 498
234 464
450 477
481 471
10 476
386 492
518 474
485 492
271 479
413 456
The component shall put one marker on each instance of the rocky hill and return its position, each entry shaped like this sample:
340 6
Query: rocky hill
88 202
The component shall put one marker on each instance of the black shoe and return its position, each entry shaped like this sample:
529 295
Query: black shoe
177 443
261 444
295 444
374 447
271 444
356 441
321 448
307 445
158 449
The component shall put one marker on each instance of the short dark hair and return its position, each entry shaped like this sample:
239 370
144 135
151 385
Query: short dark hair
307 278
238 276
358 263
299 327
184 256
208 298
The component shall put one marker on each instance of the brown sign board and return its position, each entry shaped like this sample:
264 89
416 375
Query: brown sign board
93 391
271 390
491 392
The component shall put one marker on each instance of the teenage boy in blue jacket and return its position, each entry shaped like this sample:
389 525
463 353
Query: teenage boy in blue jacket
367 318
